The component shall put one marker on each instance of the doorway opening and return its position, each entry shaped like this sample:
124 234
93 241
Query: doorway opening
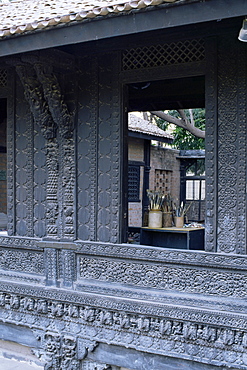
154 164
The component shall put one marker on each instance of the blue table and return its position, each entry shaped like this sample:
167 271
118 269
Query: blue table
173 237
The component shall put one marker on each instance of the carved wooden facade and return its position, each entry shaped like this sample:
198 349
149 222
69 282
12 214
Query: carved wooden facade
71 289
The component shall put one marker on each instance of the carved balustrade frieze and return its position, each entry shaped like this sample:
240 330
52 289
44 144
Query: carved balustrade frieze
16 260
136 252
181 332
160 276
21 260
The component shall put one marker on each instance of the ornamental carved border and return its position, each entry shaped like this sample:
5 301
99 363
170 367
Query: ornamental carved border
220 274
209 337
136 252
211 146
10 154
133 252
69 300
20 242
164 297
231 231
160 276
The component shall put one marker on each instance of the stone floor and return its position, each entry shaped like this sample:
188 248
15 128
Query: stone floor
6 364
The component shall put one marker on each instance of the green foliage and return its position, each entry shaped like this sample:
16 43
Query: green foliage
197 168
183 139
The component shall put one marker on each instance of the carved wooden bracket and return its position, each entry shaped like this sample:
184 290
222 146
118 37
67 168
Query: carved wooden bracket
51 114
53 96
34 96
43 93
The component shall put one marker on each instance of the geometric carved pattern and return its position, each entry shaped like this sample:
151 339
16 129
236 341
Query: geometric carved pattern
109 146
161 55
39 178
23 168
3 77
106 147
87 137
40 120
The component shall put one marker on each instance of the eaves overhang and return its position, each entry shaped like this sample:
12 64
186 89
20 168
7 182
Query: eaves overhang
152 18
143 136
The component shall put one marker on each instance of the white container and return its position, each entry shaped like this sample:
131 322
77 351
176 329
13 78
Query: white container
155 219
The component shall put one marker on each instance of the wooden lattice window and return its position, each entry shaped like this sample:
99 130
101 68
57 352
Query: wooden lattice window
134 183
164 54
163 181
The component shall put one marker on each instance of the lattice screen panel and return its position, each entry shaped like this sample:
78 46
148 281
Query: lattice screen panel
163 181
3 77
166 54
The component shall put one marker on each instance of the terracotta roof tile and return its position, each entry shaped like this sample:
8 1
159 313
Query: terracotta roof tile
19 17
138 124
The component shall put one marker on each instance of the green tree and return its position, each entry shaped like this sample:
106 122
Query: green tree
189 131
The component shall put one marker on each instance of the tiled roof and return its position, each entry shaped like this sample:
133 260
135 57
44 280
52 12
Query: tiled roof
22 16
138 124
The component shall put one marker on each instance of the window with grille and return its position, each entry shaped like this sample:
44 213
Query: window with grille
195 189
134 183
